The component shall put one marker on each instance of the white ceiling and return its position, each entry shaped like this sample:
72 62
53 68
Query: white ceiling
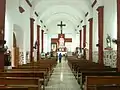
70 11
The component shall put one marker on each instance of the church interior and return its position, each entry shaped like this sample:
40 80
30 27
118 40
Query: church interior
59 44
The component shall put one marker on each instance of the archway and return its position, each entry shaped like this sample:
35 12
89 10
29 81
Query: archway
15 52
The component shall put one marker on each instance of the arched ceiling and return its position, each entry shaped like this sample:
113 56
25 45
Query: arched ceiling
66 10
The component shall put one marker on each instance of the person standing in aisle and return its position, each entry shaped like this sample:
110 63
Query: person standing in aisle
60 57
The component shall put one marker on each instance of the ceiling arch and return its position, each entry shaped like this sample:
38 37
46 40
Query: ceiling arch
67 10
64 17
61 9
81 6
52 27
84 5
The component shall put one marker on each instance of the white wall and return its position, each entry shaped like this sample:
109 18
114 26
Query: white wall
8 31
49 42
95 28
87 32
14 17
110 26
110 20
77 40
95 33
46 43
18 32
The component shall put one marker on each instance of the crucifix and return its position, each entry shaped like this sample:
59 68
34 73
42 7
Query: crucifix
61 26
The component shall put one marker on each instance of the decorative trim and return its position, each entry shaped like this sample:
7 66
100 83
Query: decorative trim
21 57
94 3
36 14
86 14
110 58
29 3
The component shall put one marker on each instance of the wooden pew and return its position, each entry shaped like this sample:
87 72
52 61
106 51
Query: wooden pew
34 66
85 65
94 82
35 74
51 62
43 64
39 69
95 73
34 70
94 69
40 66
30 83
108 87
14 88
85 68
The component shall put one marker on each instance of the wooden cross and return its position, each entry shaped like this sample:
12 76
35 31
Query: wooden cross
61 26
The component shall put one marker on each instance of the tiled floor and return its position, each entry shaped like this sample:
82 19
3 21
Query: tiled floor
62 78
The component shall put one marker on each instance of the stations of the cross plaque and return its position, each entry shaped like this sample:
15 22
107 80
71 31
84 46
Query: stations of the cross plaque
61 26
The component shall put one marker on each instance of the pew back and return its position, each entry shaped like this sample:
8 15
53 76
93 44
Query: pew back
21 82
92 82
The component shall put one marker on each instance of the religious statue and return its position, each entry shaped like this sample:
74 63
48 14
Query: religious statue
108 41
36 44
61 41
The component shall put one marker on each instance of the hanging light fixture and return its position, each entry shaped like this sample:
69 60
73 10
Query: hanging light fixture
21 9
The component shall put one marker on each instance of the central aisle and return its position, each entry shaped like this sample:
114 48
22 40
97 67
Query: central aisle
62 78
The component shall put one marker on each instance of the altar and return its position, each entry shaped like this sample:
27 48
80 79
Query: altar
62 49
59 43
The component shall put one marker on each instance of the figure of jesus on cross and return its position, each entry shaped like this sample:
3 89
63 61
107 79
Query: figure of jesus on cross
61 26
61 41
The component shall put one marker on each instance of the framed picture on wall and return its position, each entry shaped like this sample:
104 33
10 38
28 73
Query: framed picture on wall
54 46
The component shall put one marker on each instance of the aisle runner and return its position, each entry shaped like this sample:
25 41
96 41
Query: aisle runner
62 78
